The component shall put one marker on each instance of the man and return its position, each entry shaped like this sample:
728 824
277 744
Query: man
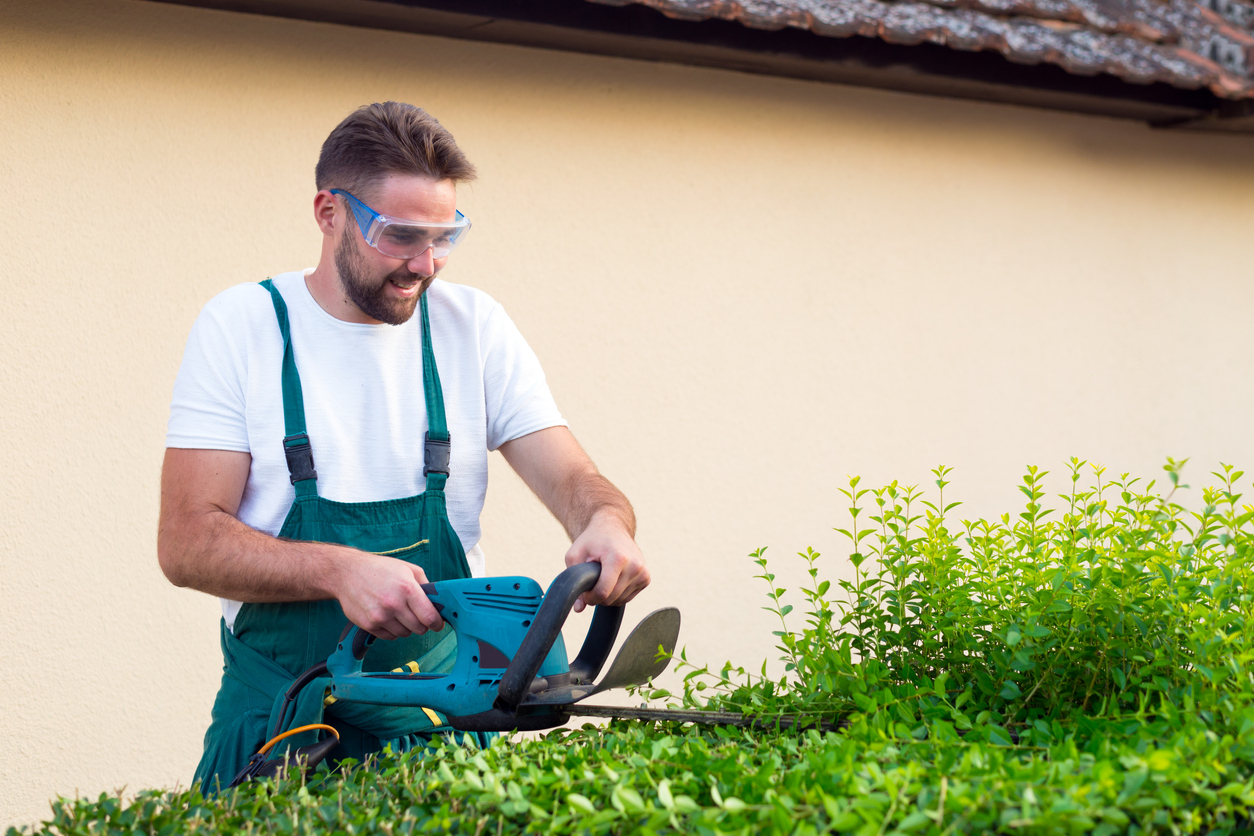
327 448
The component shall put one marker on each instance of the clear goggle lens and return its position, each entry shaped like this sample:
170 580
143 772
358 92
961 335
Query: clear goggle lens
402 239
398 238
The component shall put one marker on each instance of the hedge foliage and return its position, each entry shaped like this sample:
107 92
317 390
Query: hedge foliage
1085 668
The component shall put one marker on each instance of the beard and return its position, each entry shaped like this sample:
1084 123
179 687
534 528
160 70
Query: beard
371 297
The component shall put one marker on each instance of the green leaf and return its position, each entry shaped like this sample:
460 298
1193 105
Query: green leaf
664 794
864 703
913 821
845 822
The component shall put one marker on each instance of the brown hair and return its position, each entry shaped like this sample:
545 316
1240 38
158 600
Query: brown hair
388 138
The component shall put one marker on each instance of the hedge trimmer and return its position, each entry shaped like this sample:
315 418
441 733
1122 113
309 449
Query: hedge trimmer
511 671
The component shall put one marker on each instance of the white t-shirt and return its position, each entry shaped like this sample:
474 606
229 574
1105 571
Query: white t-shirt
364 407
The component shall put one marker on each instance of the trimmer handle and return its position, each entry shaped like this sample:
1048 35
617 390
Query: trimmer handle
547 626
362 640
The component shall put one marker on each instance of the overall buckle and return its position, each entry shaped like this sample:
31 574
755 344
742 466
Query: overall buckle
435 454
300 463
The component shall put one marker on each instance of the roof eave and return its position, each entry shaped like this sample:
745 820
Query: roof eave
637 32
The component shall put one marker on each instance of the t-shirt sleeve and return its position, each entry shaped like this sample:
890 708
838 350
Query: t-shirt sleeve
207 410
517 395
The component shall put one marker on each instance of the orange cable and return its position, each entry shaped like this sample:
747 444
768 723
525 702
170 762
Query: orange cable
291 732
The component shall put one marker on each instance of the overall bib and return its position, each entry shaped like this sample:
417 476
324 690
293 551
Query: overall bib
273 643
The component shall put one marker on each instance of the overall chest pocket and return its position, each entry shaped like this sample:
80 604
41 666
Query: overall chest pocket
404 552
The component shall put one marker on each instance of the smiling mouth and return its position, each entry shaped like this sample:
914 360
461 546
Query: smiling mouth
406 285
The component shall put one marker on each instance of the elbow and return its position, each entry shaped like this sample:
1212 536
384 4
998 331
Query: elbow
170 559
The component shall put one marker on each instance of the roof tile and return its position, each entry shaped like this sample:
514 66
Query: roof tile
1182 43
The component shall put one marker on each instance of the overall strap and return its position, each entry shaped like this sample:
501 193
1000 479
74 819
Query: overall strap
436 443
296 441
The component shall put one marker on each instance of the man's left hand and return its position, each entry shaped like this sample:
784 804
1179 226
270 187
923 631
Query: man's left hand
607 541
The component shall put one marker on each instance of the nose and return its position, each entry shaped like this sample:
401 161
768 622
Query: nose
423 264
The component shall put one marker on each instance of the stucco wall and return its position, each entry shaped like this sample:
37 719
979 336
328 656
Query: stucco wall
742 290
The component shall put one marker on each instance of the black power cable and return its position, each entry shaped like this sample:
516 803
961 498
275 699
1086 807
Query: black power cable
293 692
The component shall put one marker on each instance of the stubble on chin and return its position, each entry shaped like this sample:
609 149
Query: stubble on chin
371 297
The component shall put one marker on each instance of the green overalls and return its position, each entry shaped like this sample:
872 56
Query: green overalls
273 643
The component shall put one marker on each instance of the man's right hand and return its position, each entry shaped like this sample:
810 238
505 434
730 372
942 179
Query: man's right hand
384 597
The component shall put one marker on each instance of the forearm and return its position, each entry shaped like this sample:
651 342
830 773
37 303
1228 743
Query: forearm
213 552
587 494
202 544
596 515
562 475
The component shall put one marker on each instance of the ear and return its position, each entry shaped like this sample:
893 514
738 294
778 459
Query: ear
325 214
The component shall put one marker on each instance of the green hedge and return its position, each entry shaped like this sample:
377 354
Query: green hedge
1085 668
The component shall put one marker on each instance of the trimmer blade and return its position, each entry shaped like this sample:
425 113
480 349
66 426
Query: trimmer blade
708 718
637 661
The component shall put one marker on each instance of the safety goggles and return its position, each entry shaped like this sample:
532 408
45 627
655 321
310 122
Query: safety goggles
397 238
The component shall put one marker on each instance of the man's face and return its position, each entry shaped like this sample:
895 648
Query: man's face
387 289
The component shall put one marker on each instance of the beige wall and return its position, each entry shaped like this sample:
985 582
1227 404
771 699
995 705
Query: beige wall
742 289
